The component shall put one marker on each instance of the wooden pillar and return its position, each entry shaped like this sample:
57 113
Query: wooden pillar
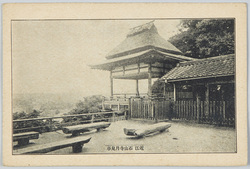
113 117
129 108
111 84
103 105
137 87
149 80
174 91
207 100
164 90
50 124
118 106
198 100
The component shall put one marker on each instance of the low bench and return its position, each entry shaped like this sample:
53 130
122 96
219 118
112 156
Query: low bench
159 127
76 143
77 129
23 138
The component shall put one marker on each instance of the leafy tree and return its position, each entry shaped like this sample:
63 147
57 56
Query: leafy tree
205 38
90 104
158 87
27 124
33 114
19 115
23 115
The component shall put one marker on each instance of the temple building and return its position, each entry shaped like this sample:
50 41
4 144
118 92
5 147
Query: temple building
144 54
201 90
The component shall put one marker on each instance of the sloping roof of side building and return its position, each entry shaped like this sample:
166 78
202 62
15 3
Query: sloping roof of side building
203 68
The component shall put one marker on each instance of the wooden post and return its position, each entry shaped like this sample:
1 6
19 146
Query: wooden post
152 103
103 106
111 84
174 92
129 108
156 111
137 87
123 70
224 111
113 117
125 115
50 124
207 100
198 107
92 118
149 80
164 90
118 106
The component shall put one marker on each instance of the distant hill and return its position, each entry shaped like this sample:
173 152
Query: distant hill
49 103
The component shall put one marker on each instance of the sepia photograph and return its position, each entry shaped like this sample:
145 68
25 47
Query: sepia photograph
127 86
102 86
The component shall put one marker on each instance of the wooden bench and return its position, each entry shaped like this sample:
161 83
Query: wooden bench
23 138
76 143
77 129
159 127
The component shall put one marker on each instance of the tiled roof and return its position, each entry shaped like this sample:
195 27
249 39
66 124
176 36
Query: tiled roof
203 68
142 38
133 58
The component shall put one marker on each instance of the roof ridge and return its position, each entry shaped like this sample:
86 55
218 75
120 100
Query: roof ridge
205 60
142 28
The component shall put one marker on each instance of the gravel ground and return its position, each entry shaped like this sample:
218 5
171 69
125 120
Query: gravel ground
181 138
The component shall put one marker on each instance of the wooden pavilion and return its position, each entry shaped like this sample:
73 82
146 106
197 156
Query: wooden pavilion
205 89
144 54
210 79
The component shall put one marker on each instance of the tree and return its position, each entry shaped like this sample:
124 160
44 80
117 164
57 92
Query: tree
27 124
158 87
205 38
23 115
90 104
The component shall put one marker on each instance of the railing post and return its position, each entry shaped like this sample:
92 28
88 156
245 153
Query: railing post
156 111
153 113
103 106
125 115
113 117
50 124
198 109
118 106
170 110
224 111
130 108
92 118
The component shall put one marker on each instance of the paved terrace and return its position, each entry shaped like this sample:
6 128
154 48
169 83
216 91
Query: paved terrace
181 138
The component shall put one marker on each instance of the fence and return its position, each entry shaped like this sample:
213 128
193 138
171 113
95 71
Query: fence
46 124
213 112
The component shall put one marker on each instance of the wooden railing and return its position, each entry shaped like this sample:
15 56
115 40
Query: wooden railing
121 101
213 112
45 124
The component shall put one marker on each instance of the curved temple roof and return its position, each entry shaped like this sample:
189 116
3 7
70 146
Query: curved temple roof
140 37
143 44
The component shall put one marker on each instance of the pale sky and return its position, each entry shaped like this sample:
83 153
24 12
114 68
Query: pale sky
53 56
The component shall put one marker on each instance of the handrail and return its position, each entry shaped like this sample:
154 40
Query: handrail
51 124
57 117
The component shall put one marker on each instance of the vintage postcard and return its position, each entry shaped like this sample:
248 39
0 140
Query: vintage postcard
124 84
